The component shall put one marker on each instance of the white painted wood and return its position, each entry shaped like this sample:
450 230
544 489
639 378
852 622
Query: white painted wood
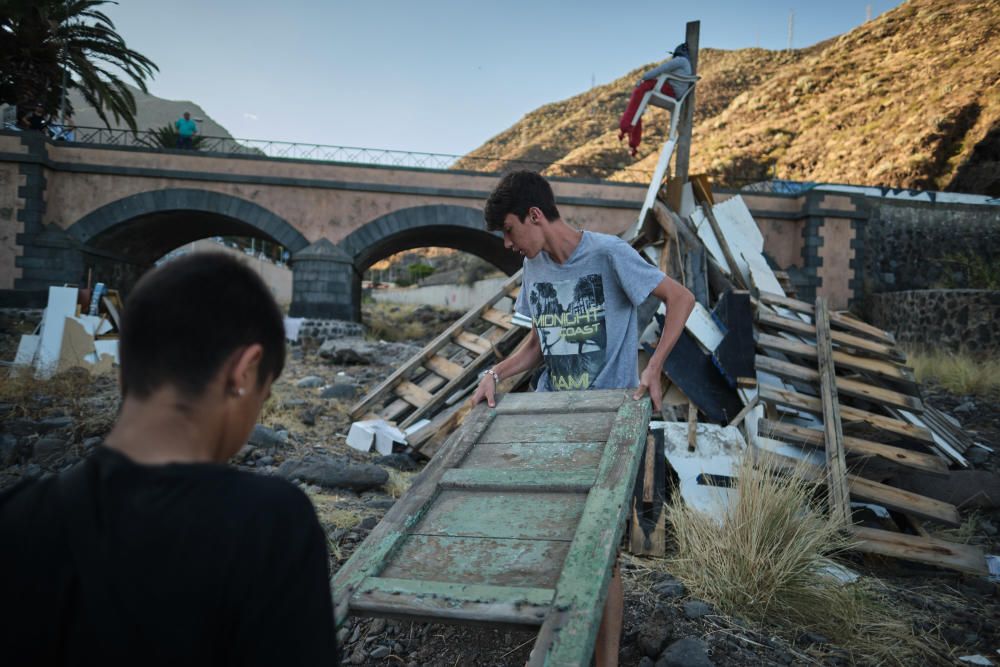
704 328
27 348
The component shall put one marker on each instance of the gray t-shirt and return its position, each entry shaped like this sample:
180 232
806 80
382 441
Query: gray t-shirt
585 312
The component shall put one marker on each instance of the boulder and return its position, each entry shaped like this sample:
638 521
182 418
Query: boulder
332 473
47 450
310 382
687 652
262 436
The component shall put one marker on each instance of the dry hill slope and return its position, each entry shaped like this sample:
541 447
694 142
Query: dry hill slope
910 99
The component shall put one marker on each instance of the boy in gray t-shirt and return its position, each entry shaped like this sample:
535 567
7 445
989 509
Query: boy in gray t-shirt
581 291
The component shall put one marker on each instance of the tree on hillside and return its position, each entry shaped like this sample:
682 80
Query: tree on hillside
38 38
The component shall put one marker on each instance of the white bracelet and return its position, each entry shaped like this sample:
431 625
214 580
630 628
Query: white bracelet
496 378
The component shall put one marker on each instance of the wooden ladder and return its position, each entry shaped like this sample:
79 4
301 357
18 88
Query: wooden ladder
447 367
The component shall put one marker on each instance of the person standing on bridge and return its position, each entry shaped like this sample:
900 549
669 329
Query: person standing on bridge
186 131
582 291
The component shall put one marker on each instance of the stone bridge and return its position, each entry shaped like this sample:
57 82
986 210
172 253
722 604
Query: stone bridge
69 210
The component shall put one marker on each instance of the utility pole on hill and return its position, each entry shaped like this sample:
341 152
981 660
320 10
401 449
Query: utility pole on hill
791 27
684 140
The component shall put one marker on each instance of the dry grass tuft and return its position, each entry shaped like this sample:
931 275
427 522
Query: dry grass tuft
765 562
958 373
399 483
23 390
330 513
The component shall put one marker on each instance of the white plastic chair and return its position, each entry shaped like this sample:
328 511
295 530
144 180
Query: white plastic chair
664 101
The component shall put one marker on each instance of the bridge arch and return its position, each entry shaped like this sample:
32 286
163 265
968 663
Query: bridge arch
441 225
121 240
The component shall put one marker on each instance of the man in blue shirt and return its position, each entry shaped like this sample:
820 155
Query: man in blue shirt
186 129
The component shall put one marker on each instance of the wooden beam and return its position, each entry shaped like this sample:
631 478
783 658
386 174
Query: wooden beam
446 368
413 394
465 603
578 481
885 369
497 317
692 35
734 267
961 557
846 386
836 319
648 522
836 462
471 342
904 501
791 399
803 435
842 339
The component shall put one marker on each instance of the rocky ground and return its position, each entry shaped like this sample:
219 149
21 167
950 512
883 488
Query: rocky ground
47 427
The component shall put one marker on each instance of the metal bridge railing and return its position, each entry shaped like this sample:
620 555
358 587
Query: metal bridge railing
153 140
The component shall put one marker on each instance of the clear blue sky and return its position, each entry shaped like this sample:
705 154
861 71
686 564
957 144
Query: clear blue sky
429 75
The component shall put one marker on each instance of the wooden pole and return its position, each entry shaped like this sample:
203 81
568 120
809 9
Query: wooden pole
836 464
684 140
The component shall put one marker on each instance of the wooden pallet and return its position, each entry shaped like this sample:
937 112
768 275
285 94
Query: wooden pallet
436 377
515 521
855 362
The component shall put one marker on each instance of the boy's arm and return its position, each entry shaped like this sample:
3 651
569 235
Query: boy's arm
679 302
524 358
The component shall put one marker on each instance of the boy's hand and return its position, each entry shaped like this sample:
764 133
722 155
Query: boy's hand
487 389
650 381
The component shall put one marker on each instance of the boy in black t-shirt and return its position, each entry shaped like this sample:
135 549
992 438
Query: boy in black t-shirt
153 551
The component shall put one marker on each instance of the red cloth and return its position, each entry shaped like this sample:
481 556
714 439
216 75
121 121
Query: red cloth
625 126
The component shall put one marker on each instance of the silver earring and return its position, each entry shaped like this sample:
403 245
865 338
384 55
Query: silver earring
241 391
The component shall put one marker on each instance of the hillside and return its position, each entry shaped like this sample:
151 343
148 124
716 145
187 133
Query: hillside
152 112
910 99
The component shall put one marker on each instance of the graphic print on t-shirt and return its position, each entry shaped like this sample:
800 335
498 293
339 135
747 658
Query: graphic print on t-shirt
569 318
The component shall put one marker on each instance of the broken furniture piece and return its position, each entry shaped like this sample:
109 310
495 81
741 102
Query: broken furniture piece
515 521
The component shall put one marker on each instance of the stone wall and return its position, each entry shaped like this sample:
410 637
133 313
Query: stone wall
957 320
923 245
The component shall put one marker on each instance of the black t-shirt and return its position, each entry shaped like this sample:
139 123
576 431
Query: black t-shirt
180 564
36 121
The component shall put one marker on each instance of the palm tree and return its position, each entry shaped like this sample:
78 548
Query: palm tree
38 38
166 137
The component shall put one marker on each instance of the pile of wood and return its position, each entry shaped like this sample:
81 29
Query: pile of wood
806 385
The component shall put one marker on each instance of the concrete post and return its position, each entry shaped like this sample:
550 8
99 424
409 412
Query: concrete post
323 283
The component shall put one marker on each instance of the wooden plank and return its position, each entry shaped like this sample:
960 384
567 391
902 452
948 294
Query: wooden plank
734 267
478 560
885 369
880 494
497 317
442 601
648 524
413 394
961 557
553 428
387 535
858 446
836 319
507 338
567 637
845 386
472 342
594 400
446 368
541 456
560 481
904 501
836 463
503 515
431 349
842 339
791 399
